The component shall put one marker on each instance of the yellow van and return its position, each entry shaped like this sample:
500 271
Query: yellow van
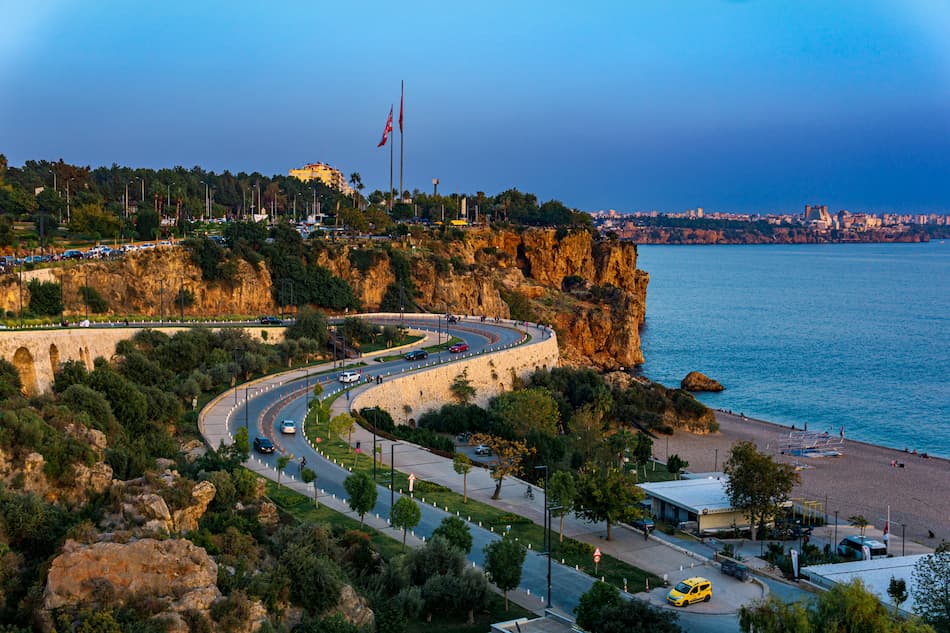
689 591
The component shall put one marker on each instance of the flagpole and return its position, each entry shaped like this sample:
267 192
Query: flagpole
402 95
390 173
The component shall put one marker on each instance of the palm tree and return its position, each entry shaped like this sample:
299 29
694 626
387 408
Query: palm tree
859 522
357 182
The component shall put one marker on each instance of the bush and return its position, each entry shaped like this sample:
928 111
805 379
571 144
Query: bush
94 300
46 297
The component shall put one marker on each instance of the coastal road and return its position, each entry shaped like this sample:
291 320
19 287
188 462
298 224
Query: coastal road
282 397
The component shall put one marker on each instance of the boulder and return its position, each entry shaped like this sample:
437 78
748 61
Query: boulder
186 519
354 609
175 574
695 381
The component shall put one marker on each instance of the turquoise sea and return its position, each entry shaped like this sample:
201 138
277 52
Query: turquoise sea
852 335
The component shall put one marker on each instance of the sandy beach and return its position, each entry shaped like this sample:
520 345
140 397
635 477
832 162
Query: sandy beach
861 481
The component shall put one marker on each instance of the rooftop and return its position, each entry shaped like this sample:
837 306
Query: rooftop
875 574
700 496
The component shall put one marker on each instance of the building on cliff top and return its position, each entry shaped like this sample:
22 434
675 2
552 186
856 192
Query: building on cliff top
330 176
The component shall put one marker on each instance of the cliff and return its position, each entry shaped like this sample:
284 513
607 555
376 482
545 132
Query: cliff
589 290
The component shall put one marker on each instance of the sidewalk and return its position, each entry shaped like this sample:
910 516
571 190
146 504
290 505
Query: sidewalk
627 544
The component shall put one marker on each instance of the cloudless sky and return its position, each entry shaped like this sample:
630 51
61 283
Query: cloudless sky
757 105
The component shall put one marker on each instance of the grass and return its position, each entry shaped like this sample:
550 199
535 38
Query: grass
431 349
367 348
301 508
572 552
655 472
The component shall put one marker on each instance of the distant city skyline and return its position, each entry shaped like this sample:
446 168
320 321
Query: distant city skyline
734 106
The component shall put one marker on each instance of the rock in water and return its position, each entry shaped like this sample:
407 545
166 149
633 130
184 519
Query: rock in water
695 381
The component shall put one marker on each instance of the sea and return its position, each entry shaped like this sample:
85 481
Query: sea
852 336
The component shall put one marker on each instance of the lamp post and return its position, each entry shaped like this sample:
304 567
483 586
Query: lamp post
246 426
836 529
903 537
85 295
547 528
54 178
375 413
206 199
392 473
716 462
68 180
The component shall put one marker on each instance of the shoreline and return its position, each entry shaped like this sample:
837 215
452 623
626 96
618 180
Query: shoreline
860 481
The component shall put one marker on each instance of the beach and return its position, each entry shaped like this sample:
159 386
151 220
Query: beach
861 481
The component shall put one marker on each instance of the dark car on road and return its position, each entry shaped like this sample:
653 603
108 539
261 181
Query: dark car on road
459 347
417 354
646 524
263 445
271 320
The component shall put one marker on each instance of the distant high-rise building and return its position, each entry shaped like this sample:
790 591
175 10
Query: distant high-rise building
330 176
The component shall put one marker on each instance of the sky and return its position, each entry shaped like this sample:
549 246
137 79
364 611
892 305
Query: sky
743 106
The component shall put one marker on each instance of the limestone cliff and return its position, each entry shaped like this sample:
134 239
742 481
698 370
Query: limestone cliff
589 289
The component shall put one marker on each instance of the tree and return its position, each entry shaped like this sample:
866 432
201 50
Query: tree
507 456
642 450
282 462
311 324
527 410
405 514
462 465
932 595
633 616
757 484
859 521
773 615
455 531
562 492
308 475
317 392
613 497
342 423
462 389
362 491
504 559
676 464
241 443
897 590
10 383
593 601
46 297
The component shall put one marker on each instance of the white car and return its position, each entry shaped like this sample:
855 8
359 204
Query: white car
288 427
348 376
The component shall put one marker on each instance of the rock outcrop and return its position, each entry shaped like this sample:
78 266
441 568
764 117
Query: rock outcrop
141 509
696 381
174 573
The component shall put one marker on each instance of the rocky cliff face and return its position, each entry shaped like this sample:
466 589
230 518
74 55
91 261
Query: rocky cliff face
481 272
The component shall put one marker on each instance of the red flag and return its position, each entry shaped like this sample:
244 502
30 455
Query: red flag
389 128
401 95
887 527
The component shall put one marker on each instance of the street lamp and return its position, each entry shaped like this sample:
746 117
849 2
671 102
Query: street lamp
206 199
68 180
143 186
246 430
375 414
836 529
392 473
903 537
547 527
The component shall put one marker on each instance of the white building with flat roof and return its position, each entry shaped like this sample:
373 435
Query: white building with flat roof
702 500
875 574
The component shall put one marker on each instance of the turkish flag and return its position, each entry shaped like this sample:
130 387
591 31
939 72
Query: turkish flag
389 128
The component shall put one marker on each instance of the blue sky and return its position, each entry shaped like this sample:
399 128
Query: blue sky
754 105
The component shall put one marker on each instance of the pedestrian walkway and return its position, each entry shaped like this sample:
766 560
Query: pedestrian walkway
627 544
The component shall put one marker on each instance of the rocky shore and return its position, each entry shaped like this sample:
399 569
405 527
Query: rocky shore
861 481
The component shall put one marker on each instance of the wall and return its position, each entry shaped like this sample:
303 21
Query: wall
490 374
37 354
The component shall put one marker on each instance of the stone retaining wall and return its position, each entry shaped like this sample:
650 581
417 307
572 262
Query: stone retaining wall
409 396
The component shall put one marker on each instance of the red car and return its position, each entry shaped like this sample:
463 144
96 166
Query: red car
459 347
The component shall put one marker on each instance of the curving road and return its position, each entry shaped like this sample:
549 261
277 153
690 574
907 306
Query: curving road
266 402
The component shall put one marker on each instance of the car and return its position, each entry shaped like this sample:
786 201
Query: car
263 445
288 427
481 449
645 524
852 547
459 347
416 354
348 376
271 320
463 436
451 318
688 591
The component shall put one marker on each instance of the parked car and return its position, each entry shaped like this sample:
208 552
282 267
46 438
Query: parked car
463 437
348 376
451 318
646 524
271 320
481 449
288 427
852 547
459 347
263 445
417 354
688 591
